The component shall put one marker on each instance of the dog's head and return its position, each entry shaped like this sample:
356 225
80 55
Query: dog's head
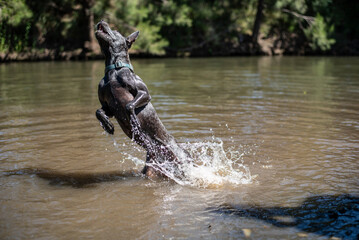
112 43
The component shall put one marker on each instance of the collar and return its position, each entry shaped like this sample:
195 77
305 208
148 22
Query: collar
118 64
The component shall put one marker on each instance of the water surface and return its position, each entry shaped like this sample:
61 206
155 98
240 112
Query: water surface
277 141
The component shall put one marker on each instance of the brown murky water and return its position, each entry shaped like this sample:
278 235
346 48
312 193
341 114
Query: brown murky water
277 141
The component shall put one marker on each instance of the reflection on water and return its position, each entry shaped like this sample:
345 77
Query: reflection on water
276 141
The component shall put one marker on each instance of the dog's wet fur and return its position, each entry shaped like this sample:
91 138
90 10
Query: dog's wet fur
125 96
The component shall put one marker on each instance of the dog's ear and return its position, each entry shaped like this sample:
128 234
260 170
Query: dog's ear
131 39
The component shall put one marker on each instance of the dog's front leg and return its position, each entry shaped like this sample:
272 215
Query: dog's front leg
140 100
105 121
140 93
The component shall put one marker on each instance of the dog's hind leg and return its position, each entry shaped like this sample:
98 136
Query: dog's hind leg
105 121
150 171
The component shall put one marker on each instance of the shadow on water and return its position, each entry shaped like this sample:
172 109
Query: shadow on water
327 215
74 179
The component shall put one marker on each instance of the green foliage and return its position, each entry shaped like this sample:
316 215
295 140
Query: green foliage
130 15
14 27
173 26
150 41
318 34
299 6
3 44
14 12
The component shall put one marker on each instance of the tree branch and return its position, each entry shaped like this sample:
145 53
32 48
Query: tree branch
308 19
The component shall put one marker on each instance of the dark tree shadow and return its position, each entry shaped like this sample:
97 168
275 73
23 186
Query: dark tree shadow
75 179
327 215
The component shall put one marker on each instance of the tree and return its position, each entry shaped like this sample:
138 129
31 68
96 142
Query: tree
90 43
258 20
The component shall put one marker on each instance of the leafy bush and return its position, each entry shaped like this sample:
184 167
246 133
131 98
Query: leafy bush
319 34
14 28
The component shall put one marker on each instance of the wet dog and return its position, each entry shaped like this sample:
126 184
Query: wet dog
125 96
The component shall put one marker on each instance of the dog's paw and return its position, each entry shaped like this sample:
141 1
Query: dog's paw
105 121
108 126
130 107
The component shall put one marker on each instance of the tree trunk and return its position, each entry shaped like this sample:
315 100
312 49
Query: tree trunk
93 42
257 22
90 43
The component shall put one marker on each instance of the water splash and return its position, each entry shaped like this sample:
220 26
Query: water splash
214 166
211 165
127 156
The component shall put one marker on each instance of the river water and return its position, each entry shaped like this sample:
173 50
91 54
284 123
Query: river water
275 140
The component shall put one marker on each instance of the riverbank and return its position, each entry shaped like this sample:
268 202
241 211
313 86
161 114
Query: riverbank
48 55
273 46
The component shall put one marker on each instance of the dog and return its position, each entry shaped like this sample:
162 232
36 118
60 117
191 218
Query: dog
125 96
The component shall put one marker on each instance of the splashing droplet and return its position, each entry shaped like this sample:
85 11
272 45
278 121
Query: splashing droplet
211 165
